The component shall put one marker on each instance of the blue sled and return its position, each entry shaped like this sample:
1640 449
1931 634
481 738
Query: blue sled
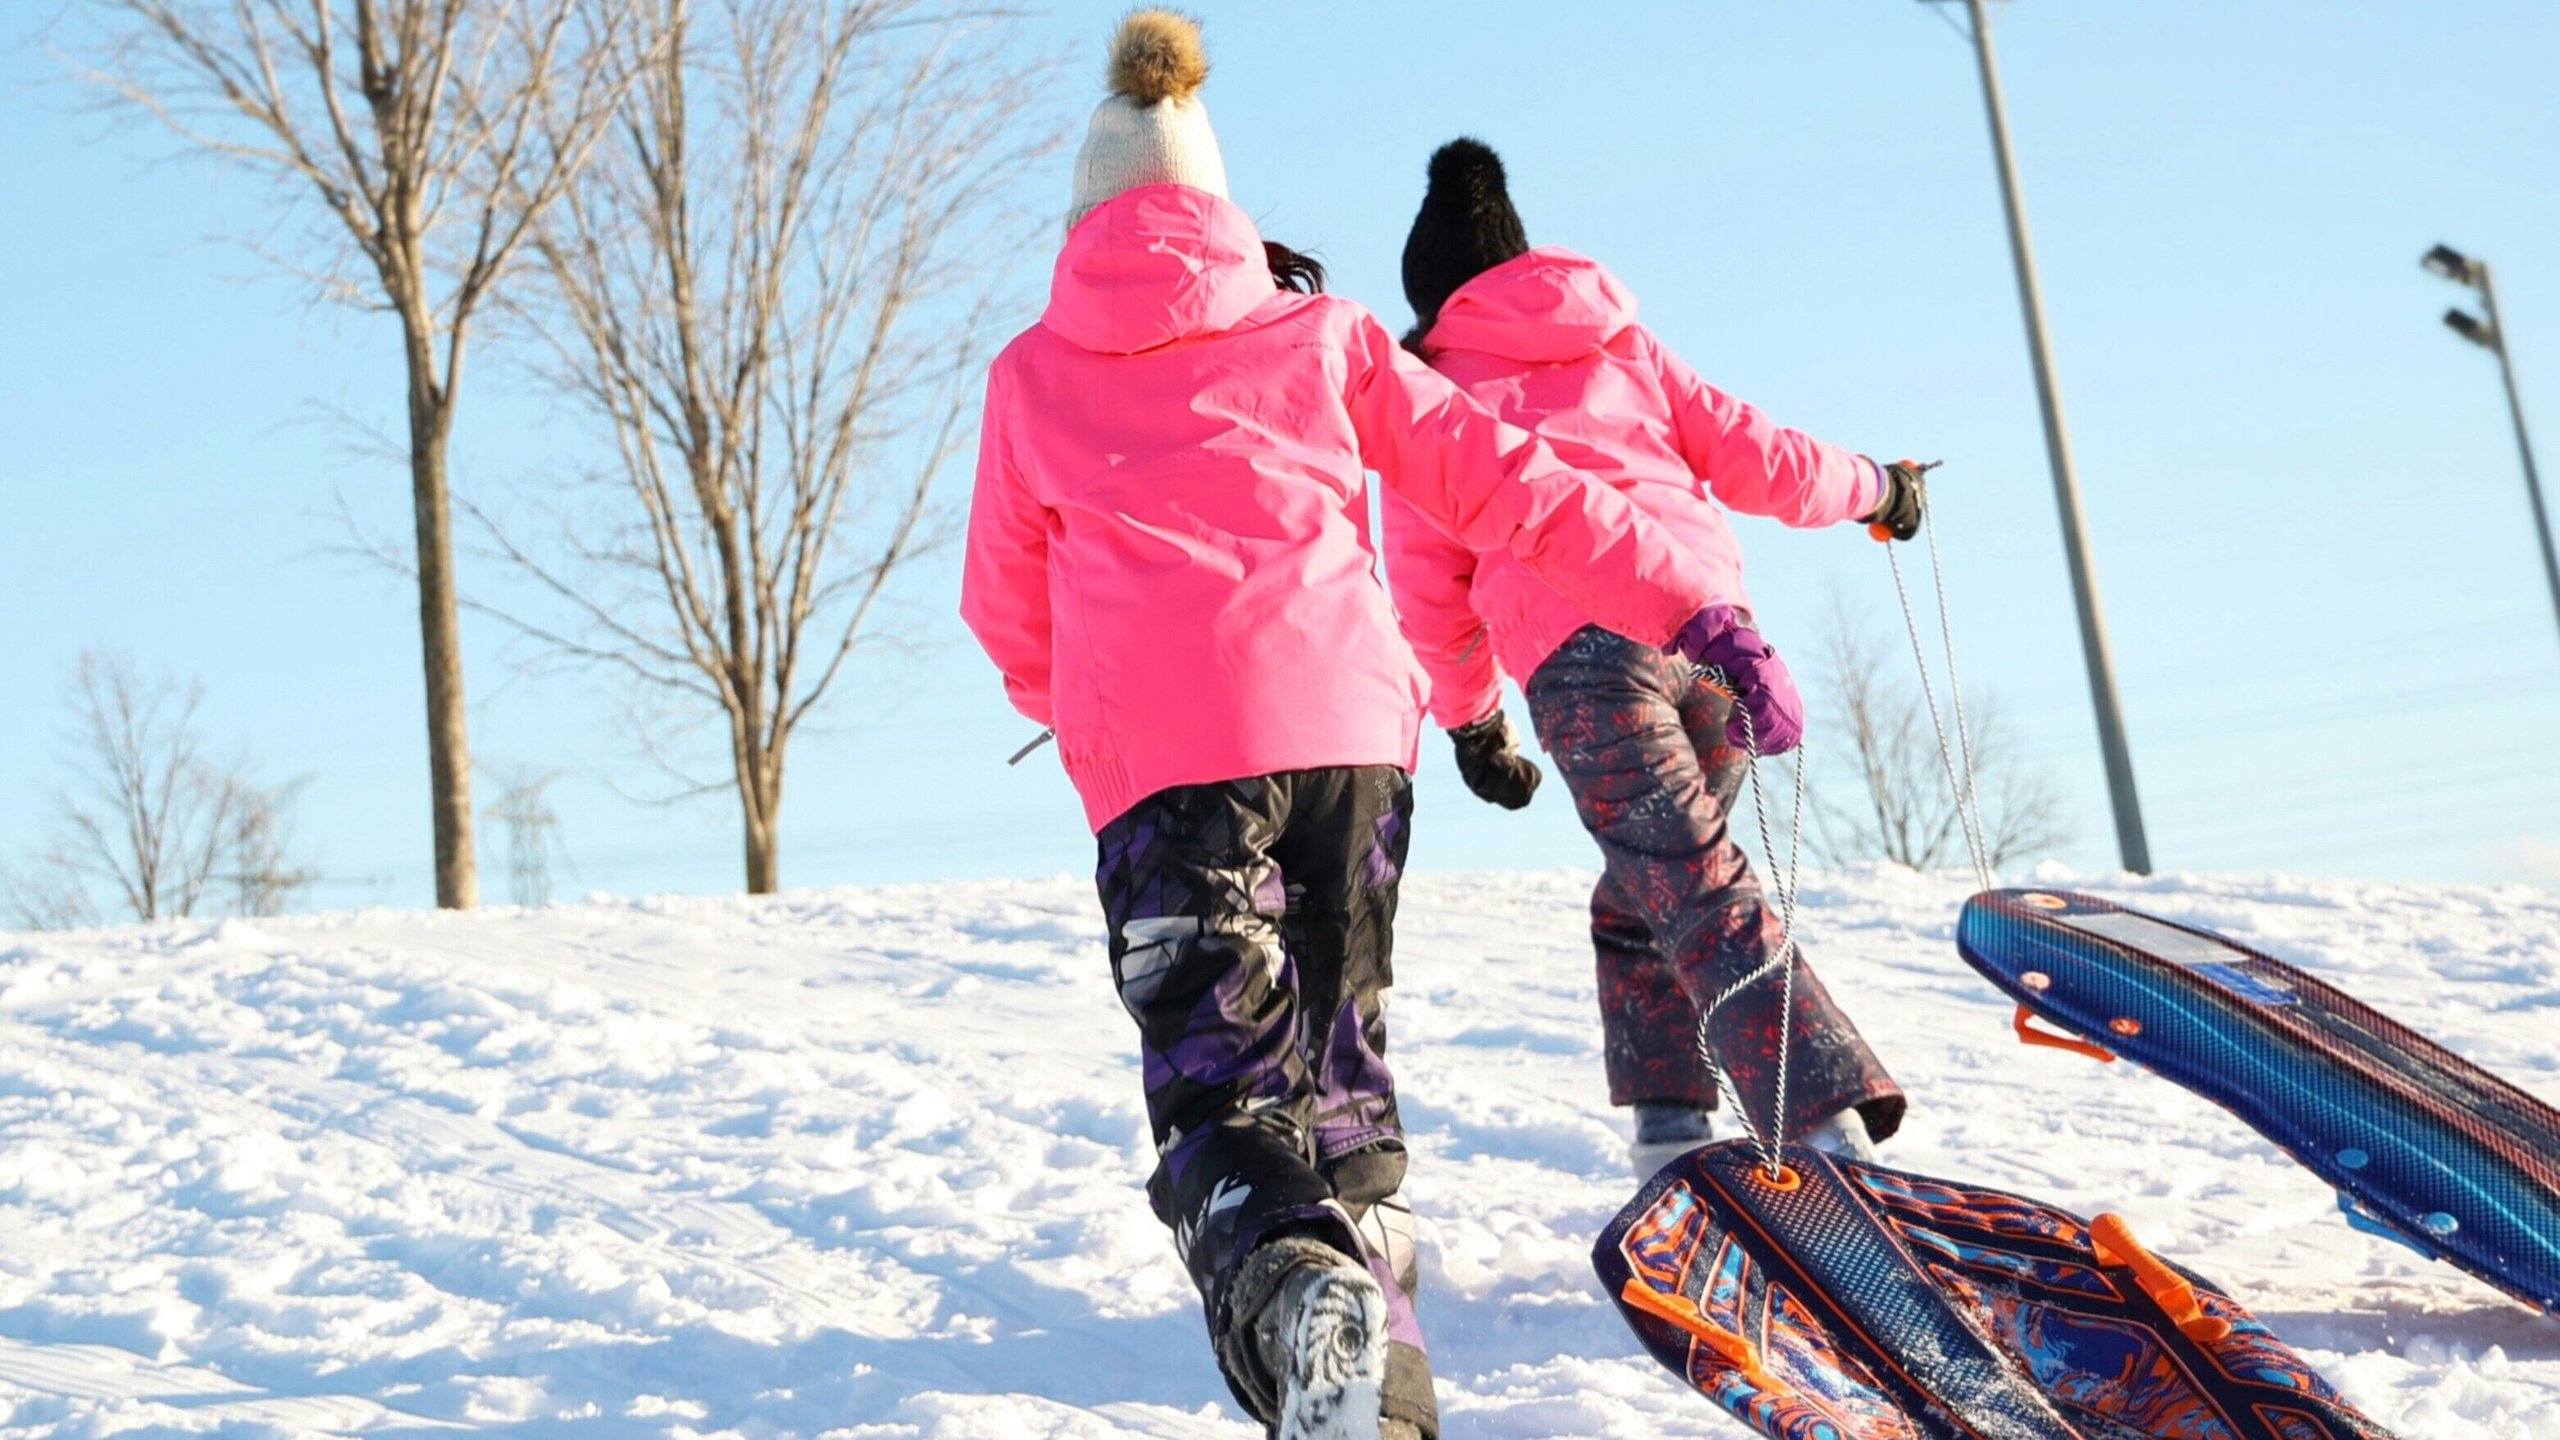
2422 1145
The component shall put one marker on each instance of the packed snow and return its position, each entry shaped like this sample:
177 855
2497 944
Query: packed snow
865 1163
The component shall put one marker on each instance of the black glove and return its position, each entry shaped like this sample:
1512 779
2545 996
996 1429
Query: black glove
1906 495
1489 760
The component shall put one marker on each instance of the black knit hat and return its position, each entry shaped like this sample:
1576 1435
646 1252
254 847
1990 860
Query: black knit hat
1466 227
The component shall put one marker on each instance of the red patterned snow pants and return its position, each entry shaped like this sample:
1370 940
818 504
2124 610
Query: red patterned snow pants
1678 914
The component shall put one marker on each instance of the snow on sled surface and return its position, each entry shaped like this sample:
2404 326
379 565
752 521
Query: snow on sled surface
2448 1158
866 1162
1817 1299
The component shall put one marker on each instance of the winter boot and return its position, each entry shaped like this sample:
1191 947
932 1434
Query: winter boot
1665 1131
1843 1133
1313 1323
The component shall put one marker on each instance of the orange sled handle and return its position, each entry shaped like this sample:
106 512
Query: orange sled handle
2111 1239
1735 1350
2029 1035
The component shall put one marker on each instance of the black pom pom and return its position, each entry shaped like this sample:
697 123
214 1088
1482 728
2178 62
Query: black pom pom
1467 165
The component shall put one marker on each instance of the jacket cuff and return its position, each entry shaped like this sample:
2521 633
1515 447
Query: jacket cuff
1875 489
1456 709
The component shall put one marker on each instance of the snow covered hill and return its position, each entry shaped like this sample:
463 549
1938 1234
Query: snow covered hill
866 1161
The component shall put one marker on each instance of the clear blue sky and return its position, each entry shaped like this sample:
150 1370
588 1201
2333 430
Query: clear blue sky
2334 645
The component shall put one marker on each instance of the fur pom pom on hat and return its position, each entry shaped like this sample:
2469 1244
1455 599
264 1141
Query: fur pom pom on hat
1466 227
1151 129
1157 56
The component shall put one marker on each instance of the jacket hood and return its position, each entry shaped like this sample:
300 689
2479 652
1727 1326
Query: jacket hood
1547 305
1154 265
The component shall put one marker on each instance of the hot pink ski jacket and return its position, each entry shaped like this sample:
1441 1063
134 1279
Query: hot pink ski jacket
1549 341
1169 554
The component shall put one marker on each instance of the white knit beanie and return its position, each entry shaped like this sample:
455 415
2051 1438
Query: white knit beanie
1152 128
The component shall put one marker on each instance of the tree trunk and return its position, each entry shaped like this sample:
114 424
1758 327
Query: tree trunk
760 814
764 858
440 631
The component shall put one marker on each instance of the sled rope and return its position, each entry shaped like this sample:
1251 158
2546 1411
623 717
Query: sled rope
1962 786
1782 958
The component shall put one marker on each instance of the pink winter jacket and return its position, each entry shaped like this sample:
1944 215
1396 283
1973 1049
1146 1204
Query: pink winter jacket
1169 554
1549 341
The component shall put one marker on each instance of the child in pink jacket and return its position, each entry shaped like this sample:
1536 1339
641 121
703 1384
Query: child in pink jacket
1169 560
1652 753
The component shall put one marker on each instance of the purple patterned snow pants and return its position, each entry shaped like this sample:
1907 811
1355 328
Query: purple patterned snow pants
1678 914
1252 923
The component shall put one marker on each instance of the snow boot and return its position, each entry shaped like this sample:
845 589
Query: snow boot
1314 1323
1843 1133
1665 1131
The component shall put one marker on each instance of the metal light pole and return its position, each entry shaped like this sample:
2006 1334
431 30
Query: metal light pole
2490 335
2130 840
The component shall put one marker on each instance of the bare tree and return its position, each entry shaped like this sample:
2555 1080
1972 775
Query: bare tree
46 893
265 879
775 290
433 133
150 816
1899 807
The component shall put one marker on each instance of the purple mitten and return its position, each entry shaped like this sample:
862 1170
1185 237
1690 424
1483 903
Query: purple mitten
1717 638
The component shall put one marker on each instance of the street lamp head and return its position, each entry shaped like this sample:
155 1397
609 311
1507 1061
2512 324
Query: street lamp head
2453 265
2472 328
